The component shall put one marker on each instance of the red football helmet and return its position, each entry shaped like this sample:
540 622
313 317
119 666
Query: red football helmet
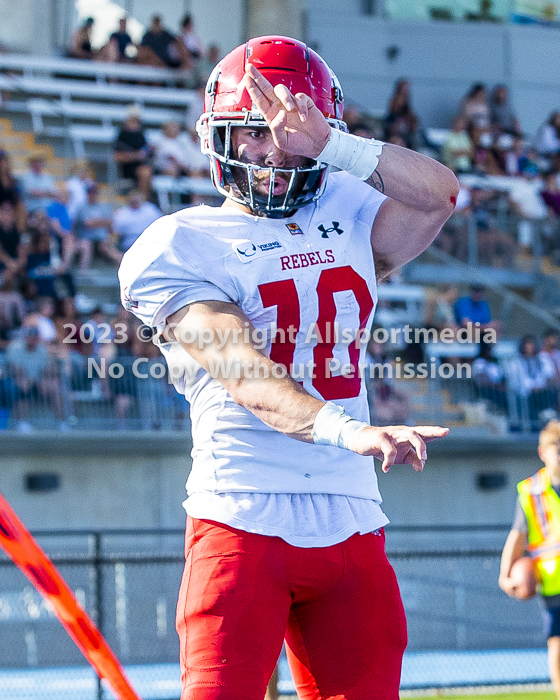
227 104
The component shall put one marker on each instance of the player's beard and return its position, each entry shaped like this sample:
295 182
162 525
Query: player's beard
261 182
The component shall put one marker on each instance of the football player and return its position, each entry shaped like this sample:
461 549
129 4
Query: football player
261 307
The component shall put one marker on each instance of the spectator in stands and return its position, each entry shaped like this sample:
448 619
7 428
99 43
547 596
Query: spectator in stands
547 141
484 14
474 107
458 149
92 228
502 116
551 197
401 119
61 241
57 212
81 177
44 267
38 187
442 314
176 154
205 65
474 309
528 378
12 253
9 190
486 157
502 147
132 219
42 319
39 264
28 361
489 378
190 40
132 153
514 157
125 328
68 323
121 41
12 306
551 193
492 242
100 333
390 406
67 366
526 201
161 48
550 356
81 41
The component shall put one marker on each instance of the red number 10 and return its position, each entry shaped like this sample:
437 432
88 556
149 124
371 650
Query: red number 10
283 294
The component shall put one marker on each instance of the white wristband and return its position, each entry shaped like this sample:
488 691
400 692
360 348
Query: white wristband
334 427
354 154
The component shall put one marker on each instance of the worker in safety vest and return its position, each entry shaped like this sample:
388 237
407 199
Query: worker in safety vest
536 531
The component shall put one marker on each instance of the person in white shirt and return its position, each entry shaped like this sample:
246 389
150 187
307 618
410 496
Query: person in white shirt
132 219
547 140
284 527
190 39
176 154
77 186
529 378
38 187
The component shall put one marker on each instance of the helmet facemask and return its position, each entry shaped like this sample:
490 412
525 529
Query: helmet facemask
240 180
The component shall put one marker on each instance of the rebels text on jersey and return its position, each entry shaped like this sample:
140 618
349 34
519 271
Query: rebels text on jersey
307 284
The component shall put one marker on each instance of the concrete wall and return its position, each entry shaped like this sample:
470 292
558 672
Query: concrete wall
114 481
446 492
106 480
441 59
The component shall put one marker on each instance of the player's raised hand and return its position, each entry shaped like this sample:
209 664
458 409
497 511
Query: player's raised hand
296 124
397 444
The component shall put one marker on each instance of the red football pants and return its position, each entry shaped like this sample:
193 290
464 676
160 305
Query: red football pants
339 609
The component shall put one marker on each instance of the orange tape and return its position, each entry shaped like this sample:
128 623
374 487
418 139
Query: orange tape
21 547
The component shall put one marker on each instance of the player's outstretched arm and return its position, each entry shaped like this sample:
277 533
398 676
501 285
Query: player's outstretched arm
512 551
214 333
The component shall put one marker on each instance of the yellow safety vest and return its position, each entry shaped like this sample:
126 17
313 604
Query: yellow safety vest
541 506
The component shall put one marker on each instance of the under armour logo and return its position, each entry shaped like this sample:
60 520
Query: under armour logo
325 231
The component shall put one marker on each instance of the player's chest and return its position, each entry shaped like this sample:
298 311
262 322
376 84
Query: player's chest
301 266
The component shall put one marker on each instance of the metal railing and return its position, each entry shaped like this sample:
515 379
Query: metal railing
129 581
67 396
508 234
72 394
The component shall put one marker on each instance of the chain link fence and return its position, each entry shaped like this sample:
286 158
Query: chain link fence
462 629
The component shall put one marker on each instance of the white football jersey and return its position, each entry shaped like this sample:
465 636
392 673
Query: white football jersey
307 281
